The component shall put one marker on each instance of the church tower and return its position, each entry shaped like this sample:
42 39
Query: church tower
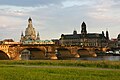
83 26
30 33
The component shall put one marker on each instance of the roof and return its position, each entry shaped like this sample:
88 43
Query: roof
8 40
78 36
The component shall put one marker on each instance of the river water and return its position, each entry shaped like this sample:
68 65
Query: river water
108 58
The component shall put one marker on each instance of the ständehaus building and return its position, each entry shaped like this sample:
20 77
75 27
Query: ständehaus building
85 39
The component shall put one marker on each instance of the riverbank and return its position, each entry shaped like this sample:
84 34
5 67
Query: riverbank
59 70
73 63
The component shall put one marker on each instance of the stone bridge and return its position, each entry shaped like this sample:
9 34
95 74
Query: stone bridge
31 51
47 51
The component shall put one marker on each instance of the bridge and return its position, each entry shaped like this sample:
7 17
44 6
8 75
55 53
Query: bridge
42 51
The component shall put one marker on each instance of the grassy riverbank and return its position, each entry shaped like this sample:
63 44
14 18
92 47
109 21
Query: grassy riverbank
59 70
72 63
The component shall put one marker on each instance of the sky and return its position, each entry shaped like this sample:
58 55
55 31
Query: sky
51 18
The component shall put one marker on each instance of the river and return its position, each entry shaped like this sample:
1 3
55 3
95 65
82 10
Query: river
108 58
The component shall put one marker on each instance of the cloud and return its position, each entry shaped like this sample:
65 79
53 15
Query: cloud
55 17
71 3
102 10
27 3
7 22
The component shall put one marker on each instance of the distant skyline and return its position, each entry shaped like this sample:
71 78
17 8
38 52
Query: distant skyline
51 18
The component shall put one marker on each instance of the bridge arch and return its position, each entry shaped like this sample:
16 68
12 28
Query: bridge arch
3 56
98 51
63 53
83 52
32 54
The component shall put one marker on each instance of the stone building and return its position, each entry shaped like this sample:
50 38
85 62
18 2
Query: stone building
30 33
118 41
114 43
85 39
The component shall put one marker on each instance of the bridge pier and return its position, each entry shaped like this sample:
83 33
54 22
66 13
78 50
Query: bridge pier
74 52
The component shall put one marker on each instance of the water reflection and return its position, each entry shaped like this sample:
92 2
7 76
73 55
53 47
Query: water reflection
109 58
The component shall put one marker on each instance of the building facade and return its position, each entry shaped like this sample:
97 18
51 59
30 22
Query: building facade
113 43
118 40
85 39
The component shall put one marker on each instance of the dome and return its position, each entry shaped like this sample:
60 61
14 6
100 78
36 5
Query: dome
30 32
29 19
74 32
62 35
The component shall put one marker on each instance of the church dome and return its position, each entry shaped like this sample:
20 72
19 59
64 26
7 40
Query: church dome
30 32
30 19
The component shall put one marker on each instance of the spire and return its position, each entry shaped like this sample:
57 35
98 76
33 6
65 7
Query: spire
38 36
103 33
107 35
22 37
83 26
22 34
